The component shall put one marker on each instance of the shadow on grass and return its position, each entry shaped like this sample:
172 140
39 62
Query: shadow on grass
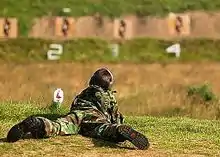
28 136
2 140
102 143
96 142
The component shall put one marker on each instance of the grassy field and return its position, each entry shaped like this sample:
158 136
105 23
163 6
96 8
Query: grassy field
168 136
141 50
153 96
142 89
25 10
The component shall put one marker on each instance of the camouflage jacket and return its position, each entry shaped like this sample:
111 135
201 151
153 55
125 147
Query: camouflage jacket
99 105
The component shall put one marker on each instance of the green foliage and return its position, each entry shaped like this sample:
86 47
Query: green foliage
26 10
55 106
202 93
141 50
201 101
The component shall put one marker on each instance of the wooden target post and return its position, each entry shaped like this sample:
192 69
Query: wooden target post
9 28
64 27
122 29
179 24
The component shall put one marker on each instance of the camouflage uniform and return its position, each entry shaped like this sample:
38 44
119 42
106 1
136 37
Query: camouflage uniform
94 113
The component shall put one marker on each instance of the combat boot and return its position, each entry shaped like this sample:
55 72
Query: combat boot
136 138
32 125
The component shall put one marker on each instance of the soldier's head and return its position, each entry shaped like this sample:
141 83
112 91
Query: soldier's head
102 78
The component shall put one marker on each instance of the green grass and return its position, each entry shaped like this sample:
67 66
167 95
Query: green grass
142 50
173 135
183 135
26 10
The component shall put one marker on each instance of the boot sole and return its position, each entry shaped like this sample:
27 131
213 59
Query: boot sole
136 138
15 133
18 131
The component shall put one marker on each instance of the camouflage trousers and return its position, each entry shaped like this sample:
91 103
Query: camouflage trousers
72 124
